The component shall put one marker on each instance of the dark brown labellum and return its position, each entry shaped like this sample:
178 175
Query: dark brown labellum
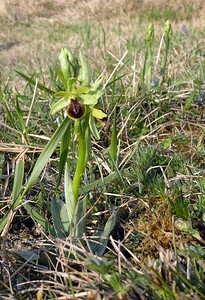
75 109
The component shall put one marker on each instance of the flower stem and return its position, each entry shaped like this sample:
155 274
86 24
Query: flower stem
81 159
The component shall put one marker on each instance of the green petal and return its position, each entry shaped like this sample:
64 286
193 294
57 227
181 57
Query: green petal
98 114
62 103
89 99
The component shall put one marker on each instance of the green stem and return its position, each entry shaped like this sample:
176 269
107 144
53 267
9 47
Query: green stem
81 159
149 38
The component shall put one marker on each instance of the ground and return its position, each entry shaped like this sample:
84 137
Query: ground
149 161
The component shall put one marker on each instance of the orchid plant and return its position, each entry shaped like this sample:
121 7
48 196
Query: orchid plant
78 98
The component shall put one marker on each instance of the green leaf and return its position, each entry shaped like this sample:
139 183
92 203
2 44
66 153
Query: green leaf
98 94
44 258
31 256
84 73
166 143
100 239
9 137
99 265
8 113
60 76
63 154
62 103
46 154
71 58
93 127
115 282
99 183
190 99
60 218
79 218
115 167
39 219
19 115
18 181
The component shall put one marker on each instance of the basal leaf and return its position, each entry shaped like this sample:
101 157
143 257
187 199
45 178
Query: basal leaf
39 219
60 218
100 239
79 219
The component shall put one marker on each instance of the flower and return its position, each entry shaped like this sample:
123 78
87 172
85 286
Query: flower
75 109
80 102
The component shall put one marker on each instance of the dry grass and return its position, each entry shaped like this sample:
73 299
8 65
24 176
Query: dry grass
32 32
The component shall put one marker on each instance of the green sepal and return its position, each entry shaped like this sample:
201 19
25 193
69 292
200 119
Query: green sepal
89 99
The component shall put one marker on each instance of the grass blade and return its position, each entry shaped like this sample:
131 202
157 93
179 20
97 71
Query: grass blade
113 145
17 188
33 82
